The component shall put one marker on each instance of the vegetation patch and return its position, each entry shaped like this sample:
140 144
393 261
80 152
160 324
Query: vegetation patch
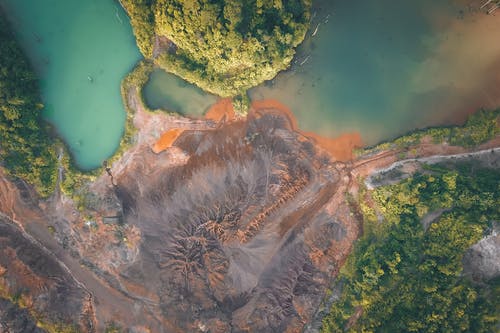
223 46
26 150
480 127
403 278
23 302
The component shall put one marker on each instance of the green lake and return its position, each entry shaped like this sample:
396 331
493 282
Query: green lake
81 50
380 68
169 92
385 67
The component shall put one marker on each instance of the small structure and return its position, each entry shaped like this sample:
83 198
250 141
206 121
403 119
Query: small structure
112 220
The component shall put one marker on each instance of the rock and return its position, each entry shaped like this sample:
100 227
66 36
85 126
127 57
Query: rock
482 260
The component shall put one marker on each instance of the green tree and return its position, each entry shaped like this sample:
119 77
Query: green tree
402 278
223 46
25 148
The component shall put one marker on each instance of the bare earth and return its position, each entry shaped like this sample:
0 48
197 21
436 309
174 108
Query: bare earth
233 225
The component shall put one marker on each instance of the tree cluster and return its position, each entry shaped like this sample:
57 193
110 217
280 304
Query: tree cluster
142 20
480 127
223 46
404 278
25 148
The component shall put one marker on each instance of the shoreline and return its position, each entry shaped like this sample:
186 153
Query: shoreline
139 166
432 159
345 147
189 212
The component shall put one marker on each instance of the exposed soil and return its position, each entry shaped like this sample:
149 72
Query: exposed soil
44 286
340 148
245 233
218 225
166 140
221 111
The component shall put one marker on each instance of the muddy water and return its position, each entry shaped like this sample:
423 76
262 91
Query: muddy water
169 92
81 51
385 67
379 68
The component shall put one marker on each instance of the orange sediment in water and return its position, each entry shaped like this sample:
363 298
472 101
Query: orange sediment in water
223 108
167 140
341 147
274 104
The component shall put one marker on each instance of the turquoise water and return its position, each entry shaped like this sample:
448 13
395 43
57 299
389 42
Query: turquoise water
168 92
81 50
377 67
388 66
380 68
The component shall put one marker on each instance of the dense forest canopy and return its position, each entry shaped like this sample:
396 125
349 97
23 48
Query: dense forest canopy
404 277
223 46
25 148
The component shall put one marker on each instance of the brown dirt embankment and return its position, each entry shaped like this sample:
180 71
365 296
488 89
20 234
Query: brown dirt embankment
249 227
221 111
341 148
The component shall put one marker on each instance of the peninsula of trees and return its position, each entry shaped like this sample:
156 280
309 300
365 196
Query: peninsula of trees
223 46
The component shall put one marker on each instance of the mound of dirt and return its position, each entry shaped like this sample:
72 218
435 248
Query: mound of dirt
238 225
243 237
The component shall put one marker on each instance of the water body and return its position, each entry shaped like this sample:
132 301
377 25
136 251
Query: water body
380 68
81 51
168 92
385 67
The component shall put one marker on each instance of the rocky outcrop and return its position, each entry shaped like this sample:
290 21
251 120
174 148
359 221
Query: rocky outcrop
482 260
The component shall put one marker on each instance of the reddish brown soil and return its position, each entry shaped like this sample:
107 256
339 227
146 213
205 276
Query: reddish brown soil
270 105
221 111
341 148
167 140
237 225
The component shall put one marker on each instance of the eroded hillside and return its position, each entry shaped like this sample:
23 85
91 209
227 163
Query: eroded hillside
239 226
